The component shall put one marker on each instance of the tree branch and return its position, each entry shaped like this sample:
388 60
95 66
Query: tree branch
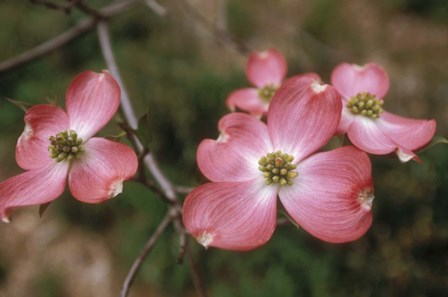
222 35
169 217
200 289
65 37
56 6
128 112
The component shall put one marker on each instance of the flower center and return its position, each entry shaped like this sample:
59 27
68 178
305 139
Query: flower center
267 92
277 168
65 146
365 104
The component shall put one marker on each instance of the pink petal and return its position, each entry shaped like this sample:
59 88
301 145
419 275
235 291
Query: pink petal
312 75
100 172
231 215
367 135
406 155
235 154
351 79
92 100
247 100
411 134
265 68
303 116
346 121
332 196
33 187
41 122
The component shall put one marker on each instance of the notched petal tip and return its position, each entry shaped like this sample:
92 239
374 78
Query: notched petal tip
407 155
263 54
222 137
205 239
318 87
6 219
365 198
116 188
27 131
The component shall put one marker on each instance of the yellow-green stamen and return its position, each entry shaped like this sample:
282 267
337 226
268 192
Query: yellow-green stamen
278 168
267 92
65 146
365 104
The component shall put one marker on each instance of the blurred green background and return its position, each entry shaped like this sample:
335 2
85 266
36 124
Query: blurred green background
175 66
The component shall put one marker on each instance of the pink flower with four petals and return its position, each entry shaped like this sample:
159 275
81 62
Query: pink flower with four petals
367 125
265 70
329 194
57 144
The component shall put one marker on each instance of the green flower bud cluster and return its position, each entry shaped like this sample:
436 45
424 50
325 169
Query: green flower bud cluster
65 146
267 92
365 104
277 168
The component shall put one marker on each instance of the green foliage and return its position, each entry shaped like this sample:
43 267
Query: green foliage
164 67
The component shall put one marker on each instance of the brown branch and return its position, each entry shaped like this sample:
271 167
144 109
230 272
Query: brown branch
65 37
56 6
167 187
183 240
200 288
88 10
183 189
129 114
169 217
225 37
156 7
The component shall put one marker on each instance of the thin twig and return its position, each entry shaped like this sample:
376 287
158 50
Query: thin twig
200 288
145 251
88 10
183 240
128 112
66 8
156 7
65 37
222 35
183 189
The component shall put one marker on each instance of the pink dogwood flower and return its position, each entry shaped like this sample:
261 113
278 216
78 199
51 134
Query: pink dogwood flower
329 194
265 70
56 144
364 120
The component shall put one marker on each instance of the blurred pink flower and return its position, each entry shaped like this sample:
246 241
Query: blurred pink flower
56 145
265 70
367 125
329 194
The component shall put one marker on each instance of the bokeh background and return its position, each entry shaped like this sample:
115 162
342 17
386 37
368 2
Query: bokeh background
174 65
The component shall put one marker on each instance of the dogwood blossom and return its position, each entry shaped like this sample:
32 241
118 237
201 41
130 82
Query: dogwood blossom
265 70
364 120
329 194
56 144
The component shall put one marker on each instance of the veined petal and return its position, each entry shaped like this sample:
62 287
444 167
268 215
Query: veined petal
312 75
303 116
351 79
247 100
41 122
33 187
409 133
100 172
92 100
231 215
347 119
266 68
332 196
235 154
368 136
